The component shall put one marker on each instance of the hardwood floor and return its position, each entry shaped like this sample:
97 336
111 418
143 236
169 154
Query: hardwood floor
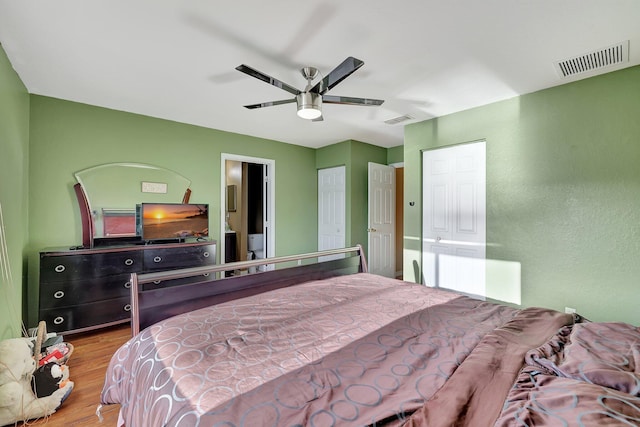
87 366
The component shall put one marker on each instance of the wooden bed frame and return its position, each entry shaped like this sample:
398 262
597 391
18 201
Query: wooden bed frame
365 348
150 305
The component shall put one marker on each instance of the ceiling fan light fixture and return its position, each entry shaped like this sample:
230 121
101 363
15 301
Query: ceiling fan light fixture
309 105
310 100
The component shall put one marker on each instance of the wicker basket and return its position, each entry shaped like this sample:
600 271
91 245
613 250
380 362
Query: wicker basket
40 338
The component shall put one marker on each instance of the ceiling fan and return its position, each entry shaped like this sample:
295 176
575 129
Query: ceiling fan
310 99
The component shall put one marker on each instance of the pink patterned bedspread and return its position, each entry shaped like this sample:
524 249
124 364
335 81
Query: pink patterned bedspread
367 350
176 371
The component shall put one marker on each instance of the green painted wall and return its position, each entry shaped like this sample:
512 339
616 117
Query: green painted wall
355 156
361 155
14 180
563 191
67 137
334 155
395 155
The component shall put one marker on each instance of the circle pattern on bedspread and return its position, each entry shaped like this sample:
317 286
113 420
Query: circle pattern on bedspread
239 347
367 374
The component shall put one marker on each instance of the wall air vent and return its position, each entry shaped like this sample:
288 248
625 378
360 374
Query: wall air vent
398 119
596 60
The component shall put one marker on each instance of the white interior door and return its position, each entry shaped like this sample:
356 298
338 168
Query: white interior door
382 212
454 218
331 208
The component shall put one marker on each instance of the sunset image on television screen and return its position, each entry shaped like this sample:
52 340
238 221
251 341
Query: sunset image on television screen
167 221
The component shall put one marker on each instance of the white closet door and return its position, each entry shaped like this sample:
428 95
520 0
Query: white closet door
331 208
454 218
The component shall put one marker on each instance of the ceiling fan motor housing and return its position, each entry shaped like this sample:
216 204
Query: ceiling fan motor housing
309 105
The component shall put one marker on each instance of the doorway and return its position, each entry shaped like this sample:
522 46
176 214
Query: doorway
247 208
454 218
399 218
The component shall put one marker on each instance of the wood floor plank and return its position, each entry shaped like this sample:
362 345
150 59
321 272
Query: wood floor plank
87 366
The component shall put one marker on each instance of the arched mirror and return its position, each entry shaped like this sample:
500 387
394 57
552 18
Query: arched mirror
108 195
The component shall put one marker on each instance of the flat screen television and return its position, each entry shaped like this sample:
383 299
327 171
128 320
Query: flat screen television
172 221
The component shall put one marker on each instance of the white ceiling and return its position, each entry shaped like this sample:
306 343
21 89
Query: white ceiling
426 58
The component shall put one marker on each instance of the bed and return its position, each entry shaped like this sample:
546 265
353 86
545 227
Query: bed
319 341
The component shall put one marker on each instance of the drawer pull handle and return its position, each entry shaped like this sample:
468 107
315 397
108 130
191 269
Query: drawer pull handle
157 259
127 307
59 268
58 294
206 274
58 320
205 254
128 261
157 282
127 285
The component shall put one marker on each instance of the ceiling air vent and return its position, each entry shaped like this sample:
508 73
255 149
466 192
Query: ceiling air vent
602 58
398 119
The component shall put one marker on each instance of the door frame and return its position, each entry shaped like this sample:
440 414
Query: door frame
269 201
399 220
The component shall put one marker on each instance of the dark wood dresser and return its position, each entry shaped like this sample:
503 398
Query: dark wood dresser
85 289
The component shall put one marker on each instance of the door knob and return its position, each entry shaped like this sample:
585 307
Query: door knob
371 230
438 238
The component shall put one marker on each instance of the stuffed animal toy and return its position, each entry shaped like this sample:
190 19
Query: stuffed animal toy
17 399
50 377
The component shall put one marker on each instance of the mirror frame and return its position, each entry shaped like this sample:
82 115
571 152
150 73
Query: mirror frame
98 186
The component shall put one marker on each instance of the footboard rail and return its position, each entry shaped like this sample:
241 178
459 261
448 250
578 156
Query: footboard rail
150 305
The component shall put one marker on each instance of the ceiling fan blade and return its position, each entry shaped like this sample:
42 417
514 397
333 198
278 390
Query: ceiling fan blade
337 75
270 104
267 79
332 99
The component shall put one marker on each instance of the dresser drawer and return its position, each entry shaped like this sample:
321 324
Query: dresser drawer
84 266
172 258
62 294
169 283
86 315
